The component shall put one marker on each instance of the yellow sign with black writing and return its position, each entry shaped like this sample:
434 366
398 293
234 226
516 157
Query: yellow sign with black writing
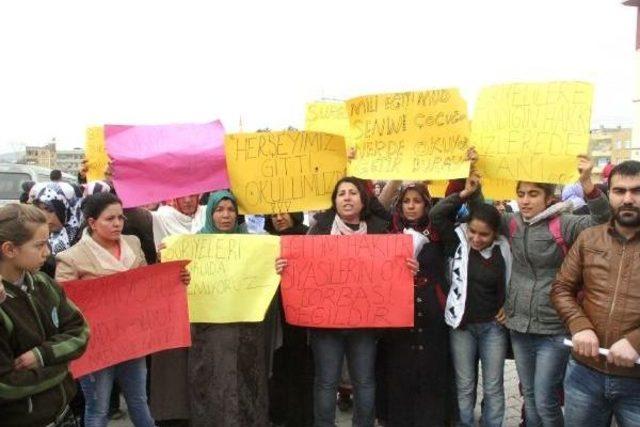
276 172
96 153
233 276
532 131
410 135
495 189
328 117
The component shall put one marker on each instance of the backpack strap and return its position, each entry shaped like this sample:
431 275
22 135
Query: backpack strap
556 232
513 228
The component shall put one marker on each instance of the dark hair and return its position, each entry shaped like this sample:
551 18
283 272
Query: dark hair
626 168
548 189
487 214
16 223
55 175
95 204
364 196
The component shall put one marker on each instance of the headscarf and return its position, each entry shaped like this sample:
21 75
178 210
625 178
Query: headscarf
399 223
214 200
60 198
95 187
574 194
298 228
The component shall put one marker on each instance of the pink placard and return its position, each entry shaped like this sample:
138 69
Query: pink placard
155 163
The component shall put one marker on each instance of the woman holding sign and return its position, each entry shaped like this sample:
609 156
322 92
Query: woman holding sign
540 234
417 364
227 362
349 215
103 251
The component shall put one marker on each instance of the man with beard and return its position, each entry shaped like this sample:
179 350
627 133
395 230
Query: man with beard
597 295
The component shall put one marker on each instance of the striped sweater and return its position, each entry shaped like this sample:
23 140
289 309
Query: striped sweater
41 319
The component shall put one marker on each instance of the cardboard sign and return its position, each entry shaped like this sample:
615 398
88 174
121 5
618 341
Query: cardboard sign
131 315
410 136
96 154
233 276
359 281
275 172
532 132
157 163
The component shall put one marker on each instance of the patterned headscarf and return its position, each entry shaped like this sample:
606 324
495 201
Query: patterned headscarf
59 198
95 187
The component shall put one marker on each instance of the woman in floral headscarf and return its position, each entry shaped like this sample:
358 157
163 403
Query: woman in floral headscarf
61 206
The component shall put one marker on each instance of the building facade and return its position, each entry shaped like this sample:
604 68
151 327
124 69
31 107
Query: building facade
41 156
70 161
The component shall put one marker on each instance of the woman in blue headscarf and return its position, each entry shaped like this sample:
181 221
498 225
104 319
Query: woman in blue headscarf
227 363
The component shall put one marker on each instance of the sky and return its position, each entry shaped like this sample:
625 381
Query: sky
66 65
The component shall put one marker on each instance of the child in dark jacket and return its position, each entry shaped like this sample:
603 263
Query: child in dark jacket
41 331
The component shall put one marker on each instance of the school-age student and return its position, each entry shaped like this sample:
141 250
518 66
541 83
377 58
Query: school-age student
540 235
41 331
479 271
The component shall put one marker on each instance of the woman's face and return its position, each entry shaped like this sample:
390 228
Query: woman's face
282 221
224 216
187 205
348 203
52 219
413 207
109 224
531 200
480 235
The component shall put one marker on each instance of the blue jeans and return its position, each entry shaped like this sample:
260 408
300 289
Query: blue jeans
132 378
541 361
592 398
329 350
489 341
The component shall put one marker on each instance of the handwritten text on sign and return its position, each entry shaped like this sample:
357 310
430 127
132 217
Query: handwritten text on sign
131 315
233 277
275 172
348 281
411 135
532 132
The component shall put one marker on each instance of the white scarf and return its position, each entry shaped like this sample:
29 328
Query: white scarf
340 228
458 268
109 263
168 221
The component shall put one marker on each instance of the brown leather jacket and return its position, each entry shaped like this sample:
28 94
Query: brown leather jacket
606 267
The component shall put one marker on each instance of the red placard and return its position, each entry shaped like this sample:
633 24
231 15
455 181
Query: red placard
359 281
131 314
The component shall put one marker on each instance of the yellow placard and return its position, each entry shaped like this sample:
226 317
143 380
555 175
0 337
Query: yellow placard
96 153
437 189
532 131
233 277
495 189
328 117
275 172
410 135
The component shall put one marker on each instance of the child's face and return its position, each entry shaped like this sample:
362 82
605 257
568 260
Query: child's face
32 254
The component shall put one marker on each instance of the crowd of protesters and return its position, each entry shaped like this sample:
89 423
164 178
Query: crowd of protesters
490 282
